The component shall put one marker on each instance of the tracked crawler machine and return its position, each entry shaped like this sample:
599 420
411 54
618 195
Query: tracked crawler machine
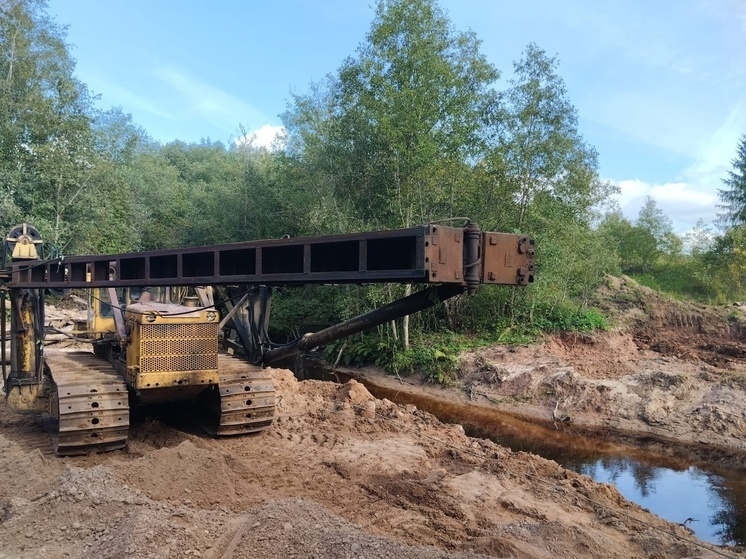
191 323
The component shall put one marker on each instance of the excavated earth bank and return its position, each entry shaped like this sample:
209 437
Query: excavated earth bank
668 372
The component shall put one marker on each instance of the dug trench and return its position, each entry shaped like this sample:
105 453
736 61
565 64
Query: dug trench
667 376
604 454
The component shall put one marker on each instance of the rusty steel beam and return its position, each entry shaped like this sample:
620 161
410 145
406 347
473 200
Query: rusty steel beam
427 254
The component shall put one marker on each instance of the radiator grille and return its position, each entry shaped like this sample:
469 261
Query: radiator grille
178 347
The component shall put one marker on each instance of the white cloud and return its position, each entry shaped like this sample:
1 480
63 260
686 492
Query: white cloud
268 136
631 191
178 98
118 95
684 203
695 195
681 192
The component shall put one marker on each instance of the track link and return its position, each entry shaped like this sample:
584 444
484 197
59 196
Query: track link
91 402
246 398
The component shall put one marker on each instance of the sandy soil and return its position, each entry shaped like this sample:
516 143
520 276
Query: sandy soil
341 474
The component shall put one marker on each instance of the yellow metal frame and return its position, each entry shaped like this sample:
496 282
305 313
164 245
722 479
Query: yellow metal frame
99 325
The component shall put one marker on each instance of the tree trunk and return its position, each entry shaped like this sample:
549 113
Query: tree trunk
405 321
394 329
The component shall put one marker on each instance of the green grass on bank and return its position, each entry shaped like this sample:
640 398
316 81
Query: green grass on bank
435 354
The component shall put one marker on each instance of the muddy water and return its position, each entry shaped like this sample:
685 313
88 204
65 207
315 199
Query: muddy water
710 500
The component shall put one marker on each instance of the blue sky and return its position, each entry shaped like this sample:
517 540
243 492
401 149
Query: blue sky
659 85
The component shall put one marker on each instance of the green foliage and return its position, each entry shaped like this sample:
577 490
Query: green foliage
653 234
640 246
362 350
439 365
435 354
47 158
712 272
61 160
569 319
733 197
390 136
699 240
309 308
683 279
537 153
725 264
411 128
435 357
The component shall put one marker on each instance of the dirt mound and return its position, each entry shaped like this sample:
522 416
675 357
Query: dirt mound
686 330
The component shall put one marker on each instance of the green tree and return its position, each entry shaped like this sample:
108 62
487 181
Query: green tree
619 234
411 103
256 212
205 193
546 177
401 119
725 263
310 197
538 151
110 224
733 197
46 152
161 208
699 240
411 106
654 234
393 137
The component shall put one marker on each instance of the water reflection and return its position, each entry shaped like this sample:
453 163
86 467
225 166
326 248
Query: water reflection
730 513
700 499
716 502
712 504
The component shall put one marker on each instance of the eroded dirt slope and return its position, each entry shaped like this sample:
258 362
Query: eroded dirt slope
669 369
339 475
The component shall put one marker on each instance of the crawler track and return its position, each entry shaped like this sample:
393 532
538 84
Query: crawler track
246 401
90 401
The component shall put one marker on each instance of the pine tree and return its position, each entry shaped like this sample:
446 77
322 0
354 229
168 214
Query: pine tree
734 196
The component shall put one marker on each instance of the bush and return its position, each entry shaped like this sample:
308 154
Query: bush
438 364
569 319
682 279
436 357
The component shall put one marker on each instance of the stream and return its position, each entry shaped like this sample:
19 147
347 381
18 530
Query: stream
711 501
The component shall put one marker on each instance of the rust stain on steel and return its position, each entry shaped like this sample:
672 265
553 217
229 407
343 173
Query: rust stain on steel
507 259
444 254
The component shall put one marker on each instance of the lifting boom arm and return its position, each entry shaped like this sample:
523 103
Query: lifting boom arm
453 260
